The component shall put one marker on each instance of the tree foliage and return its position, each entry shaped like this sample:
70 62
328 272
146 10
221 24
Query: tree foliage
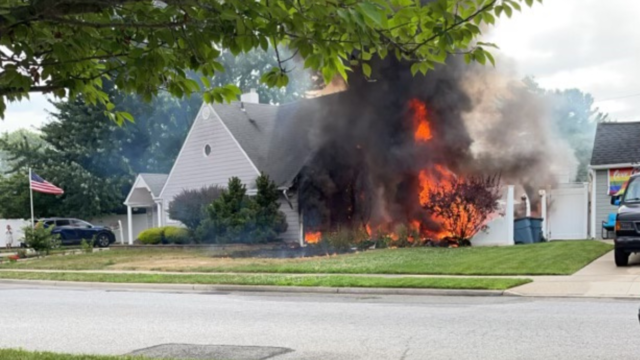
70 47
236 217
575 117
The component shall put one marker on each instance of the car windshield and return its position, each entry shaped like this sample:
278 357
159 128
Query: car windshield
632 193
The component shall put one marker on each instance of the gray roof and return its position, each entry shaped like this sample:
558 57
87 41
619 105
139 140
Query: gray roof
275 137
155 182
616 143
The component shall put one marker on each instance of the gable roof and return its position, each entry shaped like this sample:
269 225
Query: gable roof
616 143
155 182
276 138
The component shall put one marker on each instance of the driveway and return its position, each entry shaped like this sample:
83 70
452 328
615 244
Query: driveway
601 278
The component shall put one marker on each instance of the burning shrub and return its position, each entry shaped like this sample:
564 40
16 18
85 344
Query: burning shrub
464 206
188 207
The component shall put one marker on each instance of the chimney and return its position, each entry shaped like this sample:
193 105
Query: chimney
251 97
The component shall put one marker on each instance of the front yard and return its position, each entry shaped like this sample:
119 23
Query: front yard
554 258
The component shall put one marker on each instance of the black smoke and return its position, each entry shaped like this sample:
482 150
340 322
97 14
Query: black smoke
365 163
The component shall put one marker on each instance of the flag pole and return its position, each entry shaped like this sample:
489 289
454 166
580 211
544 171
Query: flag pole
33 222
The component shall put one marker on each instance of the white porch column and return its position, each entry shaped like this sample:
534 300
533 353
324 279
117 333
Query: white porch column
509 214
543 212
130 225
592 208
159 206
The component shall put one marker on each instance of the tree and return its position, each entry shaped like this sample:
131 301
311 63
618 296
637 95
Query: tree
464 206
70 47
237 218
15 138
232 214
575 117
95 160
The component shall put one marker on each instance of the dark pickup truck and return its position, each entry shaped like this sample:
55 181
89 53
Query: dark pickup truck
627 230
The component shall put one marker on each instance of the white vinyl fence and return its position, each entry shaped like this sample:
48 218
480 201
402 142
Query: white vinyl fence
16 227
500 229
568 212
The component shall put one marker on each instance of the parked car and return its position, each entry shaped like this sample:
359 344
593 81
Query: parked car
627 229
73 231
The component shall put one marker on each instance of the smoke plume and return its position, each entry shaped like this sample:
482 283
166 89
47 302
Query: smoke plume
367 157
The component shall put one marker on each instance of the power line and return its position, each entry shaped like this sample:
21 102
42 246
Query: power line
619 97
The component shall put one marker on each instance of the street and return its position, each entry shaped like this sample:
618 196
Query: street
281 326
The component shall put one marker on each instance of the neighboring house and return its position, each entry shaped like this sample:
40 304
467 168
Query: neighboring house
616 151
240 139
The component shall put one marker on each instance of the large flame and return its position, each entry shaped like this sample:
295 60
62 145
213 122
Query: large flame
436 179
420 120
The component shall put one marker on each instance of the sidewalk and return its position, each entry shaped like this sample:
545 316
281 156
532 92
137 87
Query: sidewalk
601 278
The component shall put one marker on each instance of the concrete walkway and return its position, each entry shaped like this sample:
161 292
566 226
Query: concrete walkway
601 278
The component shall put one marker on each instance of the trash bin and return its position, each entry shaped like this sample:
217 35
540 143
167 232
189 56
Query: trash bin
522 233
536 229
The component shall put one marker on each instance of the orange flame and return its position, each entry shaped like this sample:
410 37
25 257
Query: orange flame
420 120
313 237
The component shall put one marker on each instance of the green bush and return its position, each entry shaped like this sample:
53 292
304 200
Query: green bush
236 217
188 207
176 235
87 246
151 236
40 238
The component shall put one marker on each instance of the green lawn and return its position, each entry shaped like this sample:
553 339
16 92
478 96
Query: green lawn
278 280
554 258
10 354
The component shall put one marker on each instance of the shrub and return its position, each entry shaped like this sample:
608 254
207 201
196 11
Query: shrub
22 253
176 235
40 239
151 236
87 246
188 207
238 218
341 240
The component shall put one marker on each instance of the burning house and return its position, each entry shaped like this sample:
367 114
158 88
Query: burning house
374 156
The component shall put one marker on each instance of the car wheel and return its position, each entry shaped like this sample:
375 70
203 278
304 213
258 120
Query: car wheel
103 240
622 258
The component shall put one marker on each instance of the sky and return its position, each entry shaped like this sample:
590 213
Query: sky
592 45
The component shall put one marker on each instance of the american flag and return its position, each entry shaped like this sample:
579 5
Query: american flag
41 185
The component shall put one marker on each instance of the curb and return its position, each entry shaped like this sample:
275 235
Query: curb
196 288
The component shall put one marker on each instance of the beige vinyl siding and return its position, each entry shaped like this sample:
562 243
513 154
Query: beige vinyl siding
603 201
194 170
293 219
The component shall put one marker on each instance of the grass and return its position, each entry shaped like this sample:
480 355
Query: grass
11 354
554 258
278 280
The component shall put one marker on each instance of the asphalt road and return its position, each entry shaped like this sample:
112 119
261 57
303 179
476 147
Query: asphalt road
257 326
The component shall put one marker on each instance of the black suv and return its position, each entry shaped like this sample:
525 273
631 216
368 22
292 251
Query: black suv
627 232
73 231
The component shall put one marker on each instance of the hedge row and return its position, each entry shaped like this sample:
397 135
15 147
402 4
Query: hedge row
165 235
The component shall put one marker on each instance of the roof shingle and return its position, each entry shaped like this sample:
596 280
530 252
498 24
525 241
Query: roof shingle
616 143
277 138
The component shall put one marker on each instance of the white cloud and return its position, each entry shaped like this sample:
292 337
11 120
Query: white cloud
27 114
586 44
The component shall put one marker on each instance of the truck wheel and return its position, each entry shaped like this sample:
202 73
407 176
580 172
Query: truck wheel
622 258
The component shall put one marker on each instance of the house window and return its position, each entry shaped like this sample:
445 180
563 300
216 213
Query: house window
207 150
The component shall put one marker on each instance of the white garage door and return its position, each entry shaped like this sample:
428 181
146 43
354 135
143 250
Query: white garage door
568 212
